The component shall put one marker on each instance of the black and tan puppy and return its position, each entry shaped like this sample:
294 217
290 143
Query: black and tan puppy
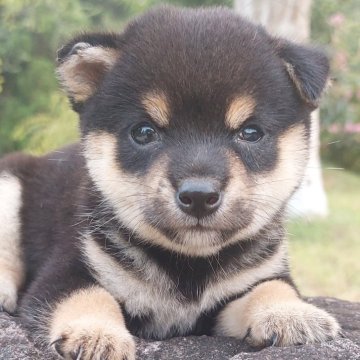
166 219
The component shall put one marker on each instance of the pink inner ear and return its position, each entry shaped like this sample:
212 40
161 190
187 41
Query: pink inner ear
83 71
291 71
300 86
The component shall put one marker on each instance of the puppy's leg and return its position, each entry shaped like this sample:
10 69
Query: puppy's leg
273 314
88 324
64 308
11 264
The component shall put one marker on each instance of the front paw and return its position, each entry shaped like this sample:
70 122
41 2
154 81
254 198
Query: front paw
87 340
290 323
8 297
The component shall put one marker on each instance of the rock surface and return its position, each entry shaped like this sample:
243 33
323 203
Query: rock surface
15 344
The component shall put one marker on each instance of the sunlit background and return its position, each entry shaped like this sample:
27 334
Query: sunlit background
35 116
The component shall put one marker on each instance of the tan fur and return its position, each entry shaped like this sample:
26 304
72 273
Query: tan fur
128 202
156 294
273 189
11 263
90 319
157 106
274 312
241 281
82 72
240 109
268 192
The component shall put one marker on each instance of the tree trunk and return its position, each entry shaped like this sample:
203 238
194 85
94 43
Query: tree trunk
291 19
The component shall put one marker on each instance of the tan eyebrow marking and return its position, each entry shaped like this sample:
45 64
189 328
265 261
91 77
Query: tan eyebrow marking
156 105
239 110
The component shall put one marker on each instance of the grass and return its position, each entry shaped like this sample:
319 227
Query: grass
325 253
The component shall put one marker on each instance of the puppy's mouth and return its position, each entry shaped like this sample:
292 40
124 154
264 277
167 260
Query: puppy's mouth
194 232
214 229
198 227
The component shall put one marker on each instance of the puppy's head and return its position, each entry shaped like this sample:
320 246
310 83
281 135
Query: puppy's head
195 123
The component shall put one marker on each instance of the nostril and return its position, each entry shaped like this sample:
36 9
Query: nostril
185 200
213 199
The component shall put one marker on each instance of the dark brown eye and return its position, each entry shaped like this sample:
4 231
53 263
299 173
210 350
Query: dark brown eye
144 134
250 133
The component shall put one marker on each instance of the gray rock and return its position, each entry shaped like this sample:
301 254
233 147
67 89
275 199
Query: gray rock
15 344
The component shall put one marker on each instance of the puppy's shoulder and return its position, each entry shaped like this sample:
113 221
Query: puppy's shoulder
24 165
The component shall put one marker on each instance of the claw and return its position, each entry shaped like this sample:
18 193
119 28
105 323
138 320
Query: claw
2 309
76 355
272 341
248 333
56 345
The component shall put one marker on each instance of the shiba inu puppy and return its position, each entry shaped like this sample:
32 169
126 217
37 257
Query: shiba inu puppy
167 218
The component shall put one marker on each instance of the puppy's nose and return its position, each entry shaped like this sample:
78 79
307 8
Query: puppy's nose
198 197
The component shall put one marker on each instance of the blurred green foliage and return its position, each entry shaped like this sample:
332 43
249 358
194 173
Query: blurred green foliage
342 149
336 23
34 114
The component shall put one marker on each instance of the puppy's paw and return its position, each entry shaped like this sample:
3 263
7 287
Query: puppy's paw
290 323
8 297
87 340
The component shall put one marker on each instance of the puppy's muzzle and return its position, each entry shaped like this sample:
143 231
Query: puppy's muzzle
198 197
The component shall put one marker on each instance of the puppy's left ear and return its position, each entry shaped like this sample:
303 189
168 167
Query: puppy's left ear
307 67
83 63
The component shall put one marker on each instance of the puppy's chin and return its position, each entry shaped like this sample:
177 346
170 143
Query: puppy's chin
197 236
194 241
191 241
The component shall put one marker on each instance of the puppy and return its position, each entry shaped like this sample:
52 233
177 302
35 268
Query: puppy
167 218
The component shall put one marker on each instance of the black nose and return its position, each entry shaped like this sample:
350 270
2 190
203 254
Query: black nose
198 197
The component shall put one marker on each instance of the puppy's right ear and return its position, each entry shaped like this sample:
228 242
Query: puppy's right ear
83 63
307 67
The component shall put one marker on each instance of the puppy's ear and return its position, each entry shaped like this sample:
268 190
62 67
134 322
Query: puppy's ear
83 63
307 67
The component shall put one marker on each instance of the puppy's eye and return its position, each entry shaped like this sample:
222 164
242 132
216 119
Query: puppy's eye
250 133
144 134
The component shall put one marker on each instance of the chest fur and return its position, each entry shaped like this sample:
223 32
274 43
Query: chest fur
155 303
